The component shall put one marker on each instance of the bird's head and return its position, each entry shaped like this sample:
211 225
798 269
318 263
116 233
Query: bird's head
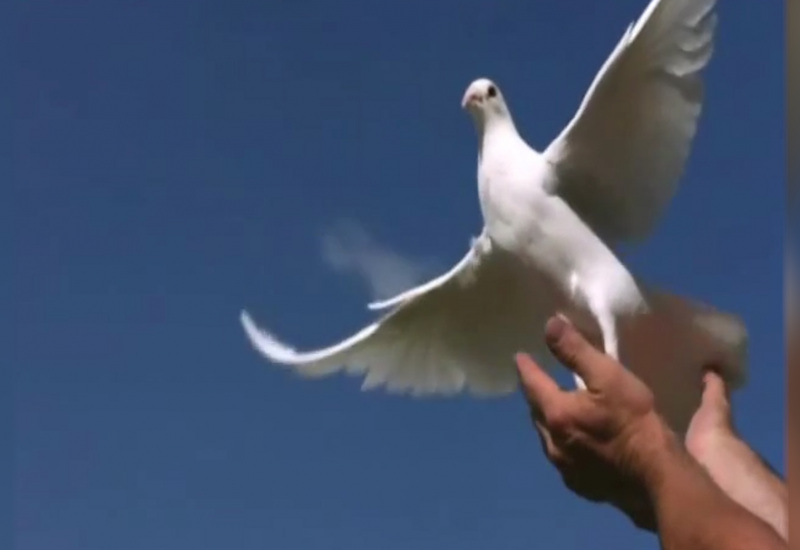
484 102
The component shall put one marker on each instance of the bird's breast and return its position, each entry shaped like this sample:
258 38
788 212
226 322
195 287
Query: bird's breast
514 203
541 229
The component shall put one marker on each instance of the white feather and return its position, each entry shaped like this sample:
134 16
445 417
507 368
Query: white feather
620 158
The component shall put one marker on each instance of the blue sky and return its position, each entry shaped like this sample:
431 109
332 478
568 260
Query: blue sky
176 162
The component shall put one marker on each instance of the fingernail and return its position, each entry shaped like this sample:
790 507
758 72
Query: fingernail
556 327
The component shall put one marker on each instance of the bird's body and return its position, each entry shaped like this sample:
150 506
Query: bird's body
522 217
550 222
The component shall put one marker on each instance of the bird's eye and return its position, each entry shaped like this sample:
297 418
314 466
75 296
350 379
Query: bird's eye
492 91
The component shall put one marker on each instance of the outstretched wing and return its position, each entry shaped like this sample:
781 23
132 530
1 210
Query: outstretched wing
457 332
620 158
461 270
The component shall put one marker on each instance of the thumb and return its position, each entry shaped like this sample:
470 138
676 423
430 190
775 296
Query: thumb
715 395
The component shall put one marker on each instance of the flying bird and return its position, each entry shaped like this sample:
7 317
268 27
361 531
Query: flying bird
551 222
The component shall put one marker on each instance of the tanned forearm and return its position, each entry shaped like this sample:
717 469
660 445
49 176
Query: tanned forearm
748 480
692 513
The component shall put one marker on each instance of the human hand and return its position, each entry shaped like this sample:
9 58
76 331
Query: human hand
607 440
736 468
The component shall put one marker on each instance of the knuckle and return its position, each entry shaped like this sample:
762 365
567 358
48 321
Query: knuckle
619 381
558 420
640 395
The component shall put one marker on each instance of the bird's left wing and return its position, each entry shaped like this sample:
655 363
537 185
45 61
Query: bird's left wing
620 158
457 332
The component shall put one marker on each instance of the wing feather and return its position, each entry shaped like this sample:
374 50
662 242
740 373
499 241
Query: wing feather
458 334
622 155
459 270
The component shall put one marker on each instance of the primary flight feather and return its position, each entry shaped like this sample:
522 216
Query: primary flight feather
550 220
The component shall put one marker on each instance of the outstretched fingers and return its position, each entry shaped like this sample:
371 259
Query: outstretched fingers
575 352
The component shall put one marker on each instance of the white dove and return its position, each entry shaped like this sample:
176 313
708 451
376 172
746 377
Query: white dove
549 221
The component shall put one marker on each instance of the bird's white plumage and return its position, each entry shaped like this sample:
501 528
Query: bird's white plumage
439 341
460 270
549 219
621 156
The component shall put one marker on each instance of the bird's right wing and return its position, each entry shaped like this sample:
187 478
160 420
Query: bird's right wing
621 157
458 332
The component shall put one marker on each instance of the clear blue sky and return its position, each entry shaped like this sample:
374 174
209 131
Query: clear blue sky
177 161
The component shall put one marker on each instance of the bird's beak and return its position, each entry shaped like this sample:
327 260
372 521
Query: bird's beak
469 99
